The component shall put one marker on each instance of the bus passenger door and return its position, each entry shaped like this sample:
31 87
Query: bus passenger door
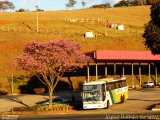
103 92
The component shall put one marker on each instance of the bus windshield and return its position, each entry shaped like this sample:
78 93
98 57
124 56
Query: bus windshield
92 93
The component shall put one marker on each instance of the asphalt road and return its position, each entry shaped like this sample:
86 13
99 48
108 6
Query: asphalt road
91 117
137 106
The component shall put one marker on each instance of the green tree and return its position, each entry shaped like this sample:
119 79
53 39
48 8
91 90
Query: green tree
71 3
151 2
107 5
129 3
83 3
5 5
21 10
121 3
38 9
152 30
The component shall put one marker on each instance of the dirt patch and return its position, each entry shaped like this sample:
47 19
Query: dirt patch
3 22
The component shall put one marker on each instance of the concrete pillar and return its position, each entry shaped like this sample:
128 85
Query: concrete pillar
156 73
123 69
140 74
106 70
132 69
132 75
88 73
96 71
149 71
114 69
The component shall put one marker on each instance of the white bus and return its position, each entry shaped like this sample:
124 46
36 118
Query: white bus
104 92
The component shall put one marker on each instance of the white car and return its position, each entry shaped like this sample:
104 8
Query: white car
147 84
56 100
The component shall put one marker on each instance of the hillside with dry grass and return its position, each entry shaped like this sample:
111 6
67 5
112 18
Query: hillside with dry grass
19 28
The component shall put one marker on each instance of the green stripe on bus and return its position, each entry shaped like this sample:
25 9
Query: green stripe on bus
111 94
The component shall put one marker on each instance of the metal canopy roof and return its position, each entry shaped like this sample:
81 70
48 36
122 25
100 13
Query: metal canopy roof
124 55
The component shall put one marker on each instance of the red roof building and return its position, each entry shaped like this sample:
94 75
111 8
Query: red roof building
110 55
123 58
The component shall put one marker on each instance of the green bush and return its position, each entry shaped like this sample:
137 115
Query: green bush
76 105
3 92
62 107
23 109
151 2
152 30
43 108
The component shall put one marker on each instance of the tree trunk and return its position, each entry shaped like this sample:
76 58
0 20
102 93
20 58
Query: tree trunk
142 2
50 96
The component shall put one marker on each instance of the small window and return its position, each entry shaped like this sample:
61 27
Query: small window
114 85
103 87
120 84
123 84
109 86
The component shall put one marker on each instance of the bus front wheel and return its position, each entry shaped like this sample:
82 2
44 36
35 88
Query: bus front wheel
122 99
108 104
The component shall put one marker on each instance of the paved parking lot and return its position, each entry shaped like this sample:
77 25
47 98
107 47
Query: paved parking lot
139 102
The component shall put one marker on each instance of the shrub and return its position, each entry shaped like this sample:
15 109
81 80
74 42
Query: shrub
107 5
152 30
151 2
127 3
62 107
3 92
39 90
23 109
76 105
43 108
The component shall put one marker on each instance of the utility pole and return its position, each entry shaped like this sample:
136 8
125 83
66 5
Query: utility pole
12 84
37 16
37 23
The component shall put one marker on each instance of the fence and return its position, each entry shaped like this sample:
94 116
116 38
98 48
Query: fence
26 30
75 32
73 19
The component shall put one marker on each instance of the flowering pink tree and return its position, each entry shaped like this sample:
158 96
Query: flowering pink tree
49 60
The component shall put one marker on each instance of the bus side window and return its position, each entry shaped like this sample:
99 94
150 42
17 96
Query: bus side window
124 84
117 85
113 85
103 87
120 84
103 92
109 86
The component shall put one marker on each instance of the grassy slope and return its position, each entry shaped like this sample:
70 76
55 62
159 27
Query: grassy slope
12 43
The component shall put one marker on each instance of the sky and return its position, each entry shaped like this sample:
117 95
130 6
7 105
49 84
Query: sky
54 4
